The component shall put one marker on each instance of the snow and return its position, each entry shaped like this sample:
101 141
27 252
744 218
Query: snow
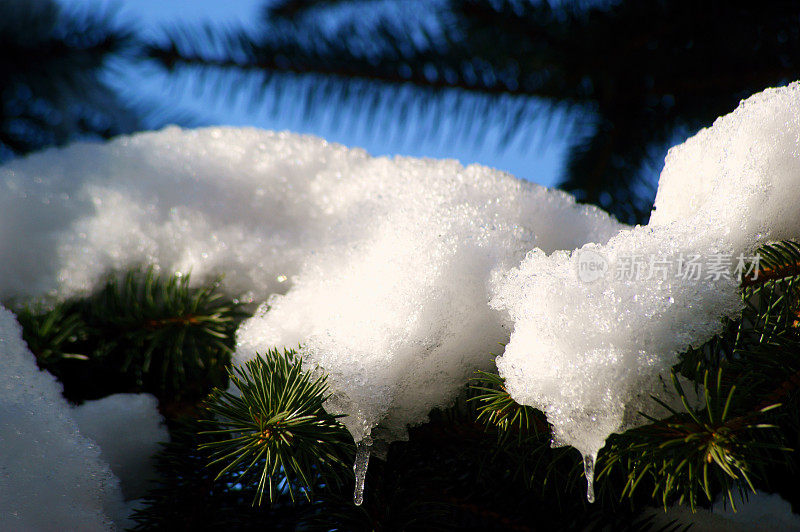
399 277
588 353
591 336
739 178
251 204
384 263
758 512
128 429
54 458
396 312
51 477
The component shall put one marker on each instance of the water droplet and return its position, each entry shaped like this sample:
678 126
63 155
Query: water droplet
588 471
363 449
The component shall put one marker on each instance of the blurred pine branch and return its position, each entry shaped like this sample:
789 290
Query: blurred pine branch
138 332
52 88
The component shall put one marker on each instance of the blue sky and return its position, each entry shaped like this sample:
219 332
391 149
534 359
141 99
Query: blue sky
540 163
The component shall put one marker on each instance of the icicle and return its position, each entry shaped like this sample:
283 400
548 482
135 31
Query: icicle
363 449
588 471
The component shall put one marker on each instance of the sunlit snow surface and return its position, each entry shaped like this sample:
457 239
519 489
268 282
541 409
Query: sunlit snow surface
588 349
385 263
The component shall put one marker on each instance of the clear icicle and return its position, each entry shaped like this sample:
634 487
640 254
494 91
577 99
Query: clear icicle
588 470
363 449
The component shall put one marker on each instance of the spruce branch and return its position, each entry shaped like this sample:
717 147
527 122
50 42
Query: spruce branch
137 332
726 443
608 74
55 85
699 451
496 407
272 428
163 331
766 345
275 426
291 9
778 261
760 348
740 430
51 334
186 496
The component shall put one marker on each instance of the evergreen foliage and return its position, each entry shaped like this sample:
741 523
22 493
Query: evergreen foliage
138 332
188 497
275 417
59 70
486 463
747 425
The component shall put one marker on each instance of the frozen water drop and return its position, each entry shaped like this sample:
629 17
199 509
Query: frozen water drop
588 470
363 449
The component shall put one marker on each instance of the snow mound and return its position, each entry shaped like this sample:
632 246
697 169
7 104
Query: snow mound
251 204
397 314
51 477
740 176
756 512
595 328
384 263
247 203
128 429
